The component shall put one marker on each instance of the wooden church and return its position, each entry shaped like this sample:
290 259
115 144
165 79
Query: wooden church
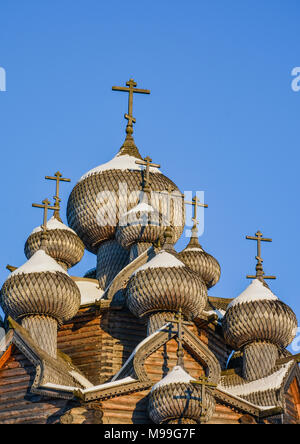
137 340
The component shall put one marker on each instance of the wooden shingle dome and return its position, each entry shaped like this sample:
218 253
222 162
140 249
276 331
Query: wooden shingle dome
166 284
174 400
62 243
201 262
107 183
41 294
258 315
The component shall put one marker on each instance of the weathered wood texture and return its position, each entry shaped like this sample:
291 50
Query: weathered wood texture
17 405
292 399
100 344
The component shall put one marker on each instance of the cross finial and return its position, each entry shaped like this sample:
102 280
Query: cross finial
131 89
259 267
147 162
179 320
46 206
58 178
196 203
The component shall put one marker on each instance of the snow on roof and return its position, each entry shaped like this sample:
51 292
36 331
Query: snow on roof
197 249
271 382
40 262
176 375
64 388
260 407
143 342
53 224
107 385
90 291
125 162
140 207
219 312
163 259
255 292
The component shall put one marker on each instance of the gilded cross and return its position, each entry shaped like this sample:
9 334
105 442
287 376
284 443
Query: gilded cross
179 320
131 89
46 206
259 268
147 162
196 203
58 178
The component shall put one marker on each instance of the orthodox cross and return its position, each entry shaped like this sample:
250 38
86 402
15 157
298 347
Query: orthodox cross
46 206
203 381
58 178
169 195
180 322
196 203
259 268
147 162
131 84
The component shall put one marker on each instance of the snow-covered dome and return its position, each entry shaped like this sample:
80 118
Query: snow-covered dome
201 262
165 283
62 243
141 224
40 286
258 315
103 194
175 400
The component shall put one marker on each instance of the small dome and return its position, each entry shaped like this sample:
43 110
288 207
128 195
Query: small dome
258 315
114 184
141 224
41 286
201 262
175 400
62 243
165 283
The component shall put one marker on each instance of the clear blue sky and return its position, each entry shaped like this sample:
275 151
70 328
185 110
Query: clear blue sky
222 116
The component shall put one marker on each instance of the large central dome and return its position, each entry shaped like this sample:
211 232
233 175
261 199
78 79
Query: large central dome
105 193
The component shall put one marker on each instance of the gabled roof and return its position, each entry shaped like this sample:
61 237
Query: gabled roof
56 378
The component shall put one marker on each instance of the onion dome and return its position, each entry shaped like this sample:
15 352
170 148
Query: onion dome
174 400
165 283
142 224
41 294
62 243
103 194
258 315
201 262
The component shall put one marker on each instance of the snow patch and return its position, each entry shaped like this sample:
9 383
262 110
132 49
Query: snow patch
123 163
109 385
176 375
40 262
255 292
271 382
163 259
89 291
53 224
